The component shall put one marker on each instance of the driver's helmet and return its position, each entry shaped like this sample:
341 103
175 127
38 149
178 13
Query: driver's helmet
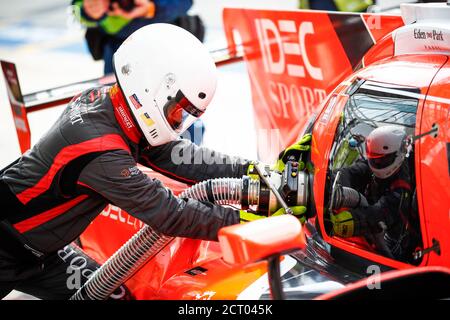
386 150
168 78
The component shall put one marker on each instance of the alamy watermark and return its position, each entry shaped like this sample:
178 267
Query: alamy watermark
80 269
373 281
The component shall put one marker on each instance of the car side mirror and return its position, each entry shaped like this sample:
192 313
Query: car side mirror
264 239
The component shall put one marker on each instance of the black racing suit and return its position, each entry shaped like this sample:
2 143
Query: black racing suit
390 202
86 160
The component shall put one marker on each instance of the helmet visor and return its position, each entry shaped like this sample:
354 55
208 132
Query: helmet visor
180 113
381 161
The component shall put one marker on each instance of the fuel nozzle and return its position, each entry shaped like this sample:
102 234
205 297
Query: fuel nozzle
290 188
264 194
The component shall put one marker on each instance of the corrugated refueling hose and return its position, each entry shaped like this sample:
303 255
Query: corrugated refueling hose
146 243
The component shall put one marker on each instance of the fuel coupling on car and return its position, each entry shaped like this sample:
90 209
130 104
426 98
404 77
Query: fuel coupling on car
261 195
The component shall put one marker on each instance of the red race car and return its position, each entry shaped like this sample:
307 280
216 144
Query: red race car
336 76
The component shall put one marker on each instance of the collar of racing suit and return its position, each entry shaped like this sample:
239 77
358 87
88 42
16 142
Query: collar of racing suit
123 115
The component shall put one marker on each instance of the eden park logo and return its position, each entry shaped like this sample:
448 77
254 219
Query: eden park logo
433 34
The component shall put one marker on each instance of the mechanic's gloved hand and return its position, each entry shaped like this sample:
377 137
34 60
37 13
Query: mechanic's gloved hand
343 224
251 171
295 150
245 216
298 211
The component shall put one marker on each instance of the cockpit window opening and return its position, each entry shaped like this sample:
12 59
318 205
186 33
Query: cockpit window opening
372 105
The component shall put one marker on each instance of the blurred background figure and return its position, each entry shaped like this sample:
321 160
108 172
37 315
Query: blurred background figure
110 22
336 5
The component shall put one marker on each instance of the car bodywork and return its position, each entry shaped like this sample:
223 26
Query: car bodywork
304 65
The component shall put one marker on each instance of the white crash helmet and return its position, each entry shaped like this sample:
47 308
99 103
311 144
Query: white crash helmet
168 78
386 150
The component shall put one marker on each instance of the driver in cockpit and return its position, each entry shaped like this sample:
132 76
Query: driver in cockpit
374 197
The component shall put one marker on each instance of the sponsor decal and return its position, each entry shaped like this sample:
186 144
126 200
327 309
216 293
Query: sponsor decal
418 34
117 214
129 172
76 110
207 295
126 120
147 120
135 101
80 268
134 171
125 173
122 113
437 35
283 48
291 45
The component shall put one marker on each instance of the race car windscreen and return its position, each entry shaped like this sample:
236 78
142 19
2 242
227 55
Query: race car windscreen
371 105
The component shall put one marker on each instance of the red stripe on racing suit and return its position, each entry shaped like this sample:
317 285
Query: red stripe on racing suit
43 217
67 154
